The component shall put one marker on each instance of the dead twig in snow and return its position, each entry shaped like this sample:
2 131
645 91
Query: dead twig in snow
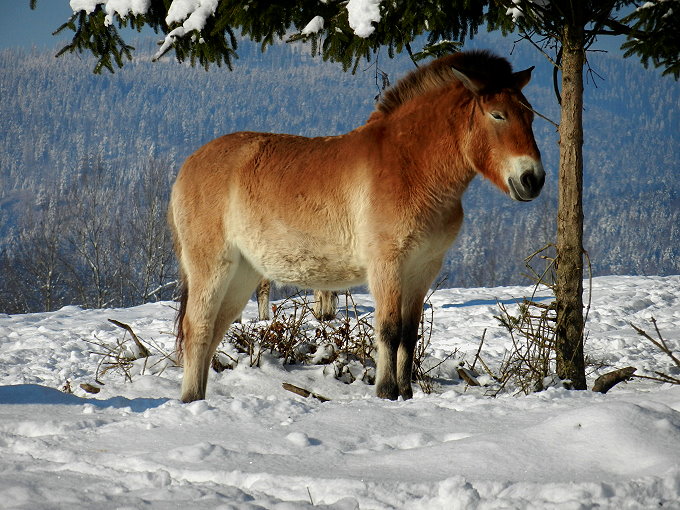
663 347
303 392
660 343
143 351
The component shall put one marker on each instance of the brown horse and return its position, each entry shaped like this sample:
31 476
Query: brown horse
380 204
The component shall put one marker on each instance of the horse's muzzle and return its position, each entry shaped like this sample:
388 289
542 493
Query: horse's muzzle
526 183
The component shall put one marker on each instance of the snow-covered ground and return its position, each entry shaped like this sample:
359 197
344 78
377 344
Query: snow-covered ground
252 444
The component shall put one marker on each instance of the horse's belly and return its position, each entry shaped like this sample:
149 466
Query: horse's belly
304 263
314 272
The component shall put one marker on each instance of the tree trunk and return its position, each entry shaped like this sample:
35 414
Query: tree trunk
569 288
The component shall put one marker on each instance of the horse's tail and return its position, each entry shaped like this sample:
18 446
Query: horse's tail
182 292
183 296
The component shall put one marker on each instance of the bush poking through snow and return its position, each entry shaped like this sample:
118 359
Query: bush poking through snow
345 345
426 367
530 366
294 335
139 358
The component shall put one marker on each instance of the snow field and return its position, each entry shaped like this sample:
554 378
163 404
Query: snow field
252 444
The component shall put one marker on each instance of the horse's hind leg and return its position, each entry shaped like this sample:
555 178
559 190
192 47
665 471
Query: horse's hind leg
240 288
263 290
205 294
325 304
213 303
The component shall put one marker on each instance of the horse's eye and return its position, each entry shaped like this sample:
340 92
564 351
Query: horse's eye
497 115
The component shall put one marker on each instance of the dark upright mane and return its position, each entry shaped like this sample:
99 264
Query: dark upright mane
480 64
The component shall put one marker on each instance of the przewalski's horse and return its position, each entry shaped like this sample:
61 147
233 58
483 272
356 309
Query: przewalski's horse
380 204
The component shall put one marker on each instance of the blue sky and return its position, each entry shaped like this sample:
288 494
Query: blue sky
21 26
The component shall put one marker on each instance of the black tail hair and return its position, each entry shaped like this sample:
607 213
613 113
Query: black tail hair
183 294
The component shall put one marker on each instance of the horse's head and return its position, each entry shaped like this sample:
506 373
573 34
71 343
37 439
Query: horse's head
501 142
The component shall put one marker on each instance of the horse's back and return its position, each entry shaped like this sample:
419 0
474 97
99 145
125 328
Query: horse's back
287 203
217 161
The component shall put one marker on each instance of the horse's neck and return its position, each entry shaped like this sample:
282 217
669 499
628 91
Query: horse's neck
422 150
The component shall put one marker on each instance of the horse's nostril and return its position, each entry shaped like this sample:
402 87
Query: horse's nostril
528 181
531 182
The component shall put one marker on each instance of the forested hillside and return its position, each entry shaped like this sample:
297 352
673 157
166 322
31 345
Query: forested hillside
87 161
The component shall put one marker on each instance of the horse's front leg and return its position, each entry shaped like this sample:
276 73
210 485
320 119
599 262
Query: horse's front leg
411 312
418 275
386 290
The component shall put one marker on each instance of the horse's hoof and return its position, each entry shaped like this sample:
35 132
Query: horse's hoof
406 393
191 397
387 391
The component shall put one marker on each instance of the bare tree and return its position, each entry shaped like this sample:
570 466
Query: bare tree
147 239
89 213
40 252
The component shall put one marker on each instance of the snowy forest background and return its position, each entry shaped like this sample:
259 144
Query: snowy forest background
87 162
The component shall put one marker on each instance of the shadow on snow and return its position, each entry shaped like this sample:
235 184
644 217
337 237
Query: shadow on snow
35 394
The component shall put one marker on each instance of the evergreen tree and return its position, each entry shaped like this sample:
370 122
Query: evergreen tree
209 37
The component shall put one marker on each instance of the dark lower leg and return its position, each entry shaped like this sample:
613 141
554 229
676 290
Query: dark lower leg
405 358
388 344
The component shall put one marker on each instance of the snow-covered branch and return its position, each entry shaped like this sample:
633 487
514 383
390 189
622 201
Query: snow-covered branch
122 8
362 13
192 13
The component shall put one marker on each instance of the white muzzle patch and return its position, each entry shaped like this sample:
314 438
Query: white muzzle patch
525 178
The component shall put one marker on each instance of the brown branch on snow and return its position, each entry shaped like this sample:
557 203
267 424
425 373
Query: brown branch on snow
606 382
90 388
479 350
660 377
663 347
303 392
468 376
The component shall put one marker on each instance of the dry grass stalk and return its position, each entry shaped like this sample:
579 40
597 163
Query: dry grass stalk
662 345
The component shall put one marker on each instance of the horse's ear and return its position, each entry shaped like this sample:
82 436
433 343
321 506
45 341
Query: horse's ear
521 78
473 85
